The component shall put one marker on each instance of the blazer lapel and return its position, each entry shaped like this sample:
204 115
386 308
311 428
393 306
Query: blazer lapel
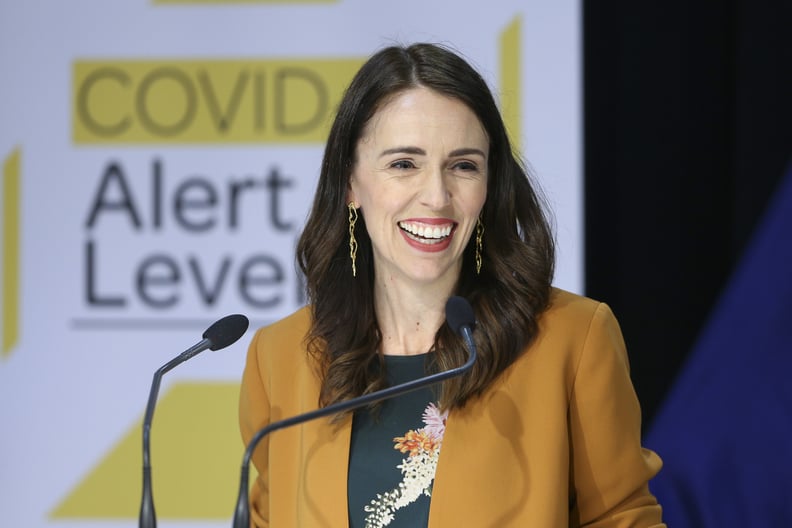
326 464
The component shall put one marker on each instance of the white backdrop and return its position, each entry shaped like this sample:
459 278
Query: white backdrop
133 216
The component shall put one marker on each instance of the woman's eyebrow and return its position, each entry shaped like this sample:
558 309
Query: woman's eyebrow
403 150
466 151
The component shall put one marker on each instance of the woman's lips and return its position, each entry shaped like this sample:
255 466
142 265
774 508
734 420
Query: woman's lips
431 235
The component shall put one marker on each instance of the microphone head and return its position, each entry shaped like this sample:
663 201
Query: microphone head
226 331
459 314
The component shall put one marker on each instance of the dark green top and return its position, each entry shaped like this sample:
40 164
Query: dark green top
378 490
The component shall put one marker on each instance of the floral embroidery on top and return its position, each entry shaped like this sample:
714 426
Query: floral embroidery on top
418 469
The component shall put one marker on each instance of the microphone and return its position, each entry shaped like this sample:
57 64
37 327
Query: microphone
221 334
459 316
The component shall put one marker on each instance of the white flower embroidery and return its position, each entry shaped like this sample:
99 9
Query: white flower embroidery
418 469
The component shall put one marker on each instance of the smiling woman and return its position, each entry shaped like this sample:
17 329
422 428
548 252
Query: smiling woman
421 198
420 181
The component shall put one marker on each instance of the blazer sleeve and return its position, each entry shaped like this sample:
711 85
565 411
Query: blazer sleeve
253 415
610 469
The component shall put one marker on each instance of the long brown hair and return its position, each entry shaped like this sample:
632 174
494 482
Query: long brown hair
508 295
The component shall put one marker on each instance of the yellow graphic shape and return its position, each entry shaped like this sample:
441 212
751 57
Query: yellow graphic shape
10 281
510 72
207 101
196 455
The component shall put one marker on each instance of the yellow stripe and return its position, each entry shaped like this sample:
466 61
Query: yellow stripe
10 284
510 62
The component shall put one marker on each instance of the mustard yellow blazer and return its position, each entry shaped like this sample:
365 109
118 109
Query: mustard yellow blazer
555 442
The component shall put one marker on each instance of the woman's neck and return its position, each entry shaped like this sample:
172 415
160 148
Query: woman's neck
409 316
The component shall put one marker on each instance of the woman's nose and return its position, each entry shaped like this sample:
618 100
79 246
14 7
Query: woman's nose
435 192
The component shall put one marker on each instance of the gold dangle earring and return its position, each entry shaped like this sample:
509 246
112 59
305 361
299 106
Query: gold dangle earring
353 216
479 244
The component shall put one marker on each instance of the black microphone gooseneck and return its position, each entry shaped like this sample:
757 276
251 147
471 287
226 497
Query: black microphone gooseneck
221 334
459 316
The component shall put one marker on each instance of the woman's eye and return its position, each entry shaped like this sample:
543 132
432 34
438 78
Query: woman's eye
402 164
465 166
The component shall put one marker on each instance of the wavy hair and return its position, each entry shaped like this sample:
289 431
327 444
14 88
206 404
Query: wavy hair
508 295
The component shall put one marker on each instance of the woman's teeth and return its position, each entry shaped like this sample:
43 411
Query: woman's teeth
426 231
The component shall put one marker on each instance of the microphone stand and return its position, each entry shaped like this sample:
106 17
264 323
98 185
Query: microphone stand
242 512
148 518
221 334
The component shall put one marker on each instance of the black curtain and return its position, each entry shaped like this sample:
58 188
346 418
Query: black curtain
688 128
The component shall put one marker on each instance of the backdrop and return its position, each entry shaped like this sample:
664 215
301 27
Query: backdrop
688 150
158 159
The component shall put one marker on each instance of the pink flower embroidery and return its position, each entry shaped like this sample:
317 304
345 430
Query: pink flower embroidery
435 422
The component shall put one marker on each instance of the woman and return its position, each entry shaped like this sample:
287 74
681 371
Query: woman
420 198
